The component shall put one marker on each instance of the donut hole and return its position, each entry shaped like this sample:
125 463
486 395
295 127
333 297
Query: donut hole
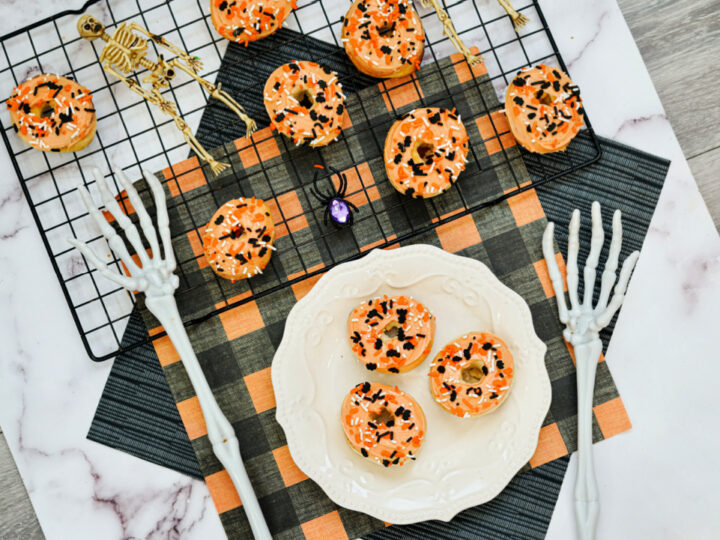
391 331
383 416
473 373
547 99
46 110
386 30
304 97
423 152
237 232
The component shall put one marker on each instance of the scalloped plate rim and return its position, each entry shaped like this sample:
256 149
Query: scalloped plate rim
284 412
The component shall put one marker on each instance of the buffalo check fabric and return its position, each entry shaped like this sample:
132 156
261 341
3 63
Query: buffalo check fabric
236 348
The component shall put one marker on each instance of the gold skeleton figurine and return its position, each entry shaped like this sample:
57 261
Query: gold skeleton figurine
126 51
450 32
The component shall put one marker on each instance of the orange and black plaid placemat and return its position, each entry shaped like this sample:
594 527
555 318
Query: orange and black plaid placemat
236 348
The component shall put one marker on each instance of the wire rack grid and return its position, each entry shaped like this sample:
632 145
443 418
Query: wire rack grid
132 135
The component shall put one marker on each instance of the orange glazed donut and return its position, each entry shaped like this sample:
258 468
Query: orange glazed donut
425 151
244 21
383 423
384 39
472 375
238 241
53 113
305 102
391 334
543 108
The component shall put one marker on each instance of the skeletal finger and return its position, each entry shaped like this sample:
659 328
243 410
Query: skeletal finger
554 272
145 222
108 231
596 242
163 221
609 273
603 319
572 267
131 232
123 281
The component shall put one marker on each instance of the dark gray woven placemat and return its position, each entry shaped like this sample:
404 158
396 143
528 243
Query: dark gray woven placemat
137 412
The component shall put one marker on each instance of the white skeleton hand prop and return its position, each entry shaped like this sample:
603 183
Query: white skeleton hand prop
155 277
583 323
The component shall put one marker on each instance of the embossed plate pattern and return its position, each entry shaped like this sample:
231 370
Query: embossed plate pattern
463 462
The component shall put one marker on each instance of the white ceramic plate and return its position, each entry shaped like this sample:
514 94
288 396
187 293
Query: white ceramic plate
463 462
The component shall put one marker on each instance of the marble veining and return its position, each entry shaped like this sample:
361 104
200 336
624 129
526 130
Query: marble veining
665 466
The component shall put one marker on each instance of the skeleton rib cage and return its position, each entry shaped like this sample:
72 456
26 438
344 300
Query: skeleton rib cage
125 50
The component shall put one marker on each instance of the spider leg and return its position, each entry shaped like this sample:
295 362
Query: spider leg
342 184
319 195
328 195
316 188
333 191
351 205
326 215
342 188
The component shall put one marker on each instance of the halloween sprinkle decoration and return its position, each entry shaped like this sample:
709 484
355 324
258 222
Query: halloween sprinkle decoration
337 208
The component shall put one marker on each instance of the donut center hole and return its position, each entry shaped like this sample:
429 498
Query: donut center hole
423 152
46 110
304 97
386 30
391 331
382 417
547 99
473 373
237 232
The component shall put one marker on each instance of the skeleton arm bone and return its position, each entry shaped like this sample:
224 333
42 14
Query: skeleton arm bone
221 95
193 63
152 97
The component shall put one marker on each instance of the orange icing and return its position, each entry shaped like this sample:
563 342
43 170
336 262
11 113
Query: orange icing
238 240
383 423
244 21
543 108
305 102
384 38
52 113
400 349
478 354
425 151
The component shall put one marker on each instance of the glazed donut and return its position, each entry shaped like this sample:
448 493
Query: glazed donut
238 240
305 102
543 108
425 151
53 113
391 334
243 21
384 38
472 375
383 423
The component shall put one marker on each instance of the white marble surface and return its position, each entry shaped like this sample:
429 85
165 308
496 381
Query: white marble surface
657 481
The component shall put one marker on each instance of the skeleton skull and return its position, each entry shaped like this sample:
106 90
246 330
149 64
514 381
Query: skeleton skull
90 28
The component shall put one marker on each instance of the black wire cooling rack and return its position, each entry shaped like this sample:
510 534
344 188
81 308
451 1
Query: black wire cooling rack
133 136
